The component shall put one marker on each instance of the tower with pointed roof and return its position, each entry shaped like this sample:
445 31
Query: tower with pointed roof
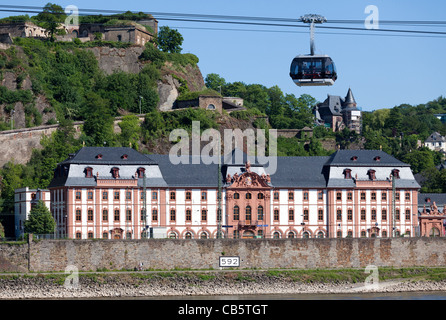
337 113
352 116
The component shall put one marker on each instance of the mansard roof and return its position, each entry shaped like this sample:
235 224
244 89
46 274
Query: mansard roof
375 158
107 155
202 172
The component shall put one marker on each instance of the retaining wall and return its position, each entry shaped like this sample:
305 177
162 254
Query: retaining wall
56 255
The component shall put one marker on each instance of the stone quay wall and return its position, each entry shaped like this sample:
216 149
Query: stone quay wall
86 255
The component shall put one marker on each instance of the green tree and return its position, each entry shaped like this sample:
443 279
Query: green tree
98 126
130 131
170 40
51 18
419 160
215 82
40 220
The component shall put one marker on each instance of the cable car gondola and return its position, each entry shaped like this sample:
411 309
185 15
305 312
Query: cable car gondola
313 70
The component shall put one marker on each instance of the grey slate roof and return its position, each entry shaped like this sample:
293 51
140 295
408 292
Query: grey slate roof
291 172
88 155
364 158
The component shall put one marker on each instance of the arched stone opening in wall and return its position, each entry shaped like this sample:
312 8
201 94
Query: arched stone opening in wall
435 232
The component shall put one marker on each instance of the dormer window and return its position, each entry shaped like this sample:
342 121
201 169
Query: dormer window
347 174
354 158
371 174
115 172
377 158
396 173
141 172
124 156
99 156
88 172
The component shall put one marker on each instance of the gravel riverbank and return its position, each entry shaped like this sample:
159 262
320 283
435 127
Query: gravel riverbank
164 285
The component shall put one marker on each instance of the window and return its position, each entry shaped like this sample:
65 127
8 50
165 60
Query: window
373 195
384 214
128 215
105 215
291 214
339 215
236 196
383 195
188 215
218 214
363 234
116 195
90 235
172 214
305 195
78 195
143 214
188 235
363 215
105 235
396 173
142 196
188 195
349 234
276 235
291 235
104 195
116 215
248 213
260 196
384 234
373 214
204 215
276 196
154 214
338 196
397 196
362 195
128 235
407 214
236 215
339 234
349 196
78 215
320 214
320 195
306 216
407 196
276 214
90 215
204 196
347 174
291 196
78 235
397 214
141 172
236 234
260 213
115 172
248 196
350 215
372 174
128 195
88 172
172 195
90 195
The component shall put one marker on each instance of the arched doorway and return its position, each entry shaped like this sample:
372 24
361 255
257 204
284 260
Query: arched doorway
434 232
248 234
117 233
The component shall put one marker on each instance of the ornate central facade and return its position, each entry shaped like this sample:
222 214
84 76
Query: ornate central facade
118 193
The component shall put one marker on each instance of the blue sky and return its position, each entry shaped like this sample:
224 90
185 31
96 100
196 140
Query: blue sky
382 71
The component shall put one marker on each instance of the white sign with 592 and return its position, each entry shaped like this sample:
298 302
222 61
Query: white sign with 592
229 262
